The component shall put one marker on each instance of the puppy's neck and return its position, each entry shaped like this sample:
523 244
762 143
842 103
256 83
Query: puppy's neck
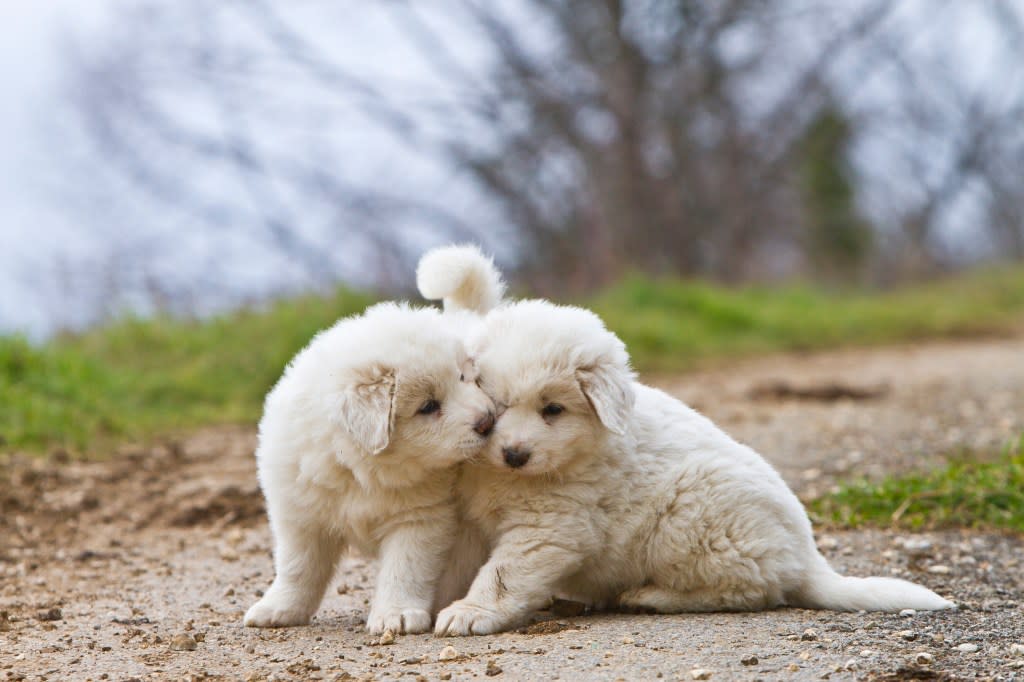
384 471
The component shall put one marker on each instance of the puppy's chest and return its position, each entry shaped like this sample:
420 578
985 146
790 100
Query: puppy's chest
483 511
364 516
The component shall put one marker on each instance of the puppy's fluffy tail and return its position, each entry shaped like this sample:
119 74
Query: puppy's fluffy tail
462 276
826 589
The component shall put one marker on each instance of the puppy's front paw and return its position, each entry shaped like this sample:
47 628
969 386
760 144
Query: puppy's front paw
465 618
408 621
274 612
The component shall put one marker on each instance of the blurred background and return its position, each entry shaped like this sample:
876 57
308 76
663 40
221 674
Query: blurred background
187 157
181 180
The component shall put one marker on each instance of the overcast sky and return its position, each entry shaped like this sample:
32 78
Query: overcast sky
29 73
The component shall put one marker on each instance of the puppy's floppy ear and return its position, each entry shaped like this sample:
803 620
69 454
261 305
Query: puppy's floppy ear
367 408
609 390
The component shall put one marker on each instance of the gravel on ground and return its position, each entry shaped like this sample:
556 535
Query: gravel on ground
141 565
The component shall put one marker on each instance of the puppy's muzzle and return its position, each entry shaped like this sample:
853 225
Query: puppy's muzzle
515 457
485 425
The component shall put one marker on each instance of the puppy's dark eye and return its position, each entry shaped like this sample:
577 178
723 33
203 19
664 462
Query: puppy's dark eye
429 407
552 409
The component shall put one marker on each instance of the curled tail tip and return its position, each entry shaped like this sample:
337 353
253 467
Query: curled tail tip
462 276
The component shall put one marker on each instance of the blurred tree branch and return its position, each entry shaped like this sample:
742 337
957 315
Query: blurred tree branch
609 135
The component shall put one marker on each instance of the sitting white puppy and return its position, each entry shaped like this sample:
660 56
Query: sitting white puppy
609 492
357 447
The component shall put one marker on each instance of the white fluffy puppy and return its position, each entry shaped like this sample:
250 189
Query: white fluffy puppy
357 447
601 489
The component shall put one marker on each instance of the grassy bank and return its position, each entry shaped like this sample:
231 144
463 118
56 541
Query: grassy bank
968 492
673 325
137 378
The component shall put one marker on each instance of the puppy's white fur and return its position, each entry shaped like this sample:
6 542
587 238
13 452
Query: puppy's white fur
628 497
346 458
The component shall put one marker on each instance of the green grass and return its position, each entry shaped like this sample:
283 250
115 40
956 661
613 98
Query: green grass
672 325
140 378
967 492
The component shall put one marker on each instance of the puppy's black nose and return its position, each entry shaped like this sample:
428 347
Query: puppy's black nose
515 458
485 425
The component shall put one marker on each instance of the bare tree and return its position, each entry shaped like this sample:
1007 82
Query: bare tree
586 138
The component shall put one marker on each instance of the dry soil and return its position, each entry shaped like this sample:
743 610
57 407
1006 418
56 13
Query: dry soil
141 566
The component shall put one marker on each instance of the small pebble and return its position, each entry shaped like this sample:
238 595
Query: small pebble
917 546
628 640
749 660
183 642
50 614
446 676
923 658
387 637
700 674
492 669
1017 649
828 542
908 635
907 613
867 653
448 654
938 638
809 635
793 667
851 664
967 648
939 569
805 656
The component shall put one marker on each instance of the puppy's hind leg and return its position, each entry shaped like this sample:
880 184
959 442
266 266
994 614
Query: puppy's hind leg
653 598
304 559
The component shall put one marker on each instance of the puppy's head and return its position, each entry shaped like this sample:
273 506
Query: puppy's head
399 387
560 380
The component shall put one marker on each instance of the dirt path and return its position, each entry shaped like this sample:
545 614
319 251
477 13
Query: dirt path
108 569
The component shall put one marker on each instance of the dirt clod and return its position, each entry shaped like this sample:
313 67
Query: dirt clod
824 392
183 642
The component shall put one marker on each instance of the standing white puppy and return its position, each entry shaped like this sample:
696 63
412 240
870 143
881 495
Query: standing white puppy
609 492
358 446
